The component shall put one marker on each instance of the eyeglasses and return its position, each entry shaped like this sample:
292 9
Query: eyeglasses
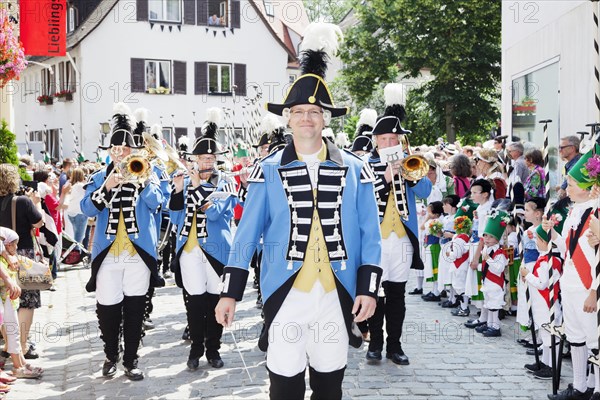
312 114
560 148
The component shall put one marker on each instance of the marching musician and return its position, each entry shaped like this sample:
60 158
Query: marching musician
315 207
396 198
203 242
124 255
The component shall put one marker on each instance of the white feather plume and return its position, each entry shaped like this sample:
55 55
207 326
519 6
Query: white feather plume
183 140
368 116
322 36
141 115
121 108
394 94
328 132
341 140
270 123
214 115
156 129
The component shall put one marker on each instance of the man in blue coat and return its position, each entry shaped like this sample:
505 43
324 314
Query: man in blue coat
124 251
396 198
203 242
315 207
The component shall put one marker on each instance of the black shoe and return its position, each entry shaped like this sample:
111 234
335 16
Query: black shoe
459 312
109 369
148 324
134 374
416 291
216 362
474 323
481 328
193 363
450 304
570 393
595 396
373 356
31 354
544 373
430 297
531 352
529 345
398 358
531 368
492 332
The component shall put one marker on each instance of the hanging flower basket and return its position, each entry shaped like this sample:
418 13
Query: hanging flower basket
12 57
45 100
64 95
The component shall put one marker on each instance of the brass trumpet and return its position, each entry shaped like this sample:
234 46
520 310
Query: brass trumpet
413 167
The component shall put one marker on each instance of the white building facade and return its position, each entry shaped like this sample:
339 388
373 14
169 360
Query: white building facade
174 57
550 64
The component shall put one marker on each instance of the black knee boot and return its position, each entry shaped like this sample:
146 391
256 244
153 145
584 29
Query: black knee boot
109 320
214 331
195 307
326 385
287 388
133 317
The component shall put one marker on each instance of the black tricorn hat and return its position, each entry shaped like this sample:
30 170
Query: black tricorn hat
390 121
122 129
319 44
207 143
264 139
362 143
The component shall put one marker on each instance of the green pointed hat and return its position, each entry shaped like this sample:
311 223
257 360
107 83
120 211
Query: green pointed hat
240 152
558 214
496 223
580 172
466 207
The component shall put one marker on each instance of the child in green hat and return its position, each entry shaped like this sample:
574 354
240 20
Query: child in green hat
577 283
494 263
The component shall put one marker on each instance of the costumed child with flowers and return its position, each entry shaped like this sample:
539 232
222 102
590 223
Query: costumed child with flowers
578 282
433 228
458 254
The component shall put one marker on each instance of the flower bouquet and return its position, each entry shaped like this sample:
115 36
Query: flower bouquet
12 57
463 224
436 228
592 172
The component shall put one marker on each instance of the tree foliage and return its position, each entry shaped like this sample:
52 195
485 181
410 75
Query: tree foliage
327 10
8 149
458 41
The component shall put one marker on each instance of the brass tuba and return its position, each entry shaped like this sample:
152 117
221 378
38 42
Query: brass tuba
413 167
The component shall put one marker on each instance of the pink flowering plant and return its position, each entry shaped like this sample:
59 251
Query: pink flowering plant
12 56
592 170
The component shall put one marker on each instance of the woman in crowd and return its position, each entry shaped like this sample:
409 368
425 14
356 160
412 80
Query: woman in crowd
489 168
534 185
29 216
77 218
460 168
10 300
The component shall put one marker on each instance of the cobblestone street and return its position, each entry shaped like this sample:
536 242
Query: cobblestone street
447 361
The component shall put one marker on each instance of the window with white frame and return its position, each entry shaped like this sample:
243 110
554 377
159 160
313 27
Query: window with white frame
165 10
219 78
158 75
71 19
36 136
168 135
218 12
269 9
